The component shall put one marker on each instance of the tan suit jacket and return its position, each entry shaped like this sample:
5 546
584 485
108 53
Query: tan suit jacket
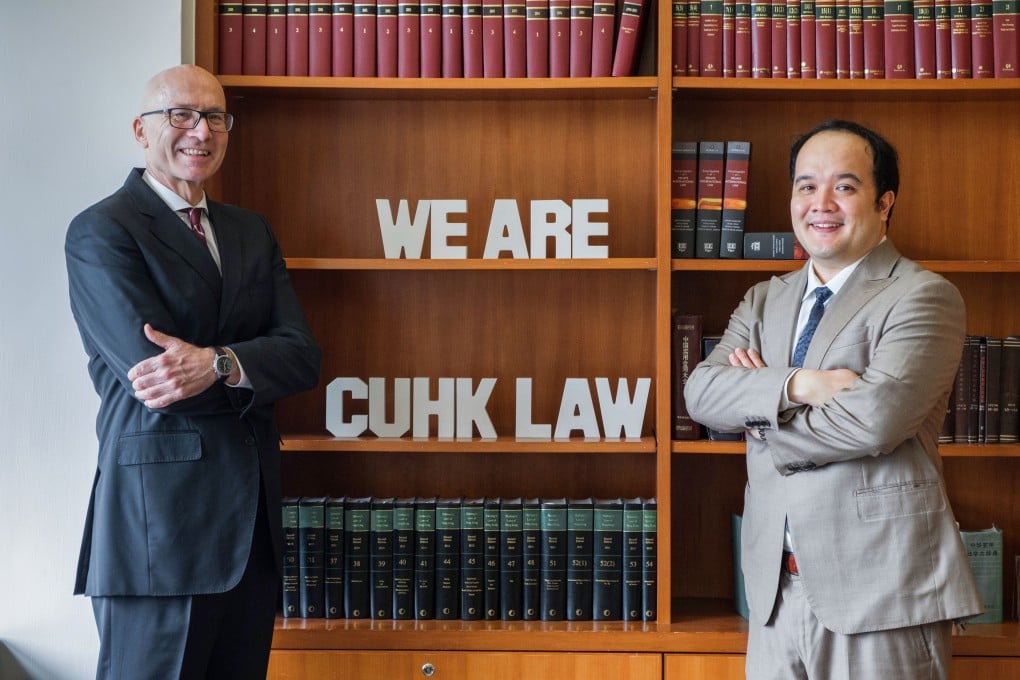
860 477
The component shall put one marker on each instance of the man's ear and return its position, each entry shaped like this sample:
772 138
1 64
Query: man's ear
885 204
139 129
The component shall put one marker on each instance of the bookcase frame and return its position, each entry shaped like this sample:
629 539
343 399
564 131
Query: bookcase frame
313 154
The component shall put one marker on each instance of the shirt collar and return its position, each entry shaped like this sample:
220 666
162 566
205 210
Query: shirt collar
836 282
168 196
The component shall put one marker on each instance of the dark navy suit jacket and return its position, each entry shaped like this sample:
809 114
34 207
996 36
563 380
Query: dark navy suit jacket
176 489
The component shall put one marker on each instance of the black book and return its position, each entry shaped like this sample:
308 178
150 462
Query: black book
403 558
334 520
312 563
381 550
711 164
961 394
633 544
1009 387
511 543
531 559
974 404
580 527
650 559
993 391
291 570
357 557
607 572
492 576
472 559
425 558
553 589
448 558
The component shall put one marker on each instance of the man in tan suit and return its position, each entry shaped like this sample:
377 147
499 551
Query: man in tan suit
853 563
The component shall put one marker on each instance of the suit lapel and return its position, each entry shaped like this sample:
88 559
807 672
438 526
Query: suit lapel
231 245
780 316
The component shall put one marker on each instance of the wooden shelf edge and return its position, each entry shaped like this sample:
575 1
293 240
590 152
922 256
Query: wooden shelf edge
886 89
708 447
941 266
353 263
326 443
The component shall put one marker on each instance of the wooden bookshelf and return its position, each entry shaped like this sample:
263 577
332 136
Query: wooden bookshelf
313 154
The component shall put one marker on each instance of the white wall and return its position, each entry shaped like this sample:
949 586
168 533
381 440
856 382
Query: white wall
71 74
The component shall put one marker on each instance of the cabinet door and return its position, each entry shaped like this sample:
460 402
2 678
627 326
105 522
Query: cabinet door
704 667
400 665
986 668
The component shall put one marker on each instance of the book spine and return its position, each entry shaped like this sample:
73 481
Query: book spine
607 572
982 39
694 37
628 37
683 198
381 553
729 38
734 203
603 27
924 39
357 557
431 39
276 39
531 559
334 572
448 558
515 37
993 390
711 38
960 40
553 563
825 39
808 56
1009 381
761 38
778 40
386 39
772 245
409 39
403 558
365 38
559 38
453 39
492 38
297 38
231 34
687 331
943 40
311 545
899 39
741 45
425 558
984 551
343 39
511 543
537 49
633 605
581 20
843 39
961 395
491 569
1005 44
472 559
580 526
291 585
320 39
711 161
874 38
474 50
857 39
649 559
253 48
793 48
678 29
975 387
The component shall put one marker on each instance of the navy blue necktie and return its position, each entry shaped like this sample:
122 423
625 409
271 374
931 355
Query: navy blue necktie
821 295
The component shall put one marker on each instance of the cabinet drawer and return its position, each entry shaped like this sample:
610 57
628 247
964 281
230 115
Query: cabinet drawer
986 668
704 667
402 665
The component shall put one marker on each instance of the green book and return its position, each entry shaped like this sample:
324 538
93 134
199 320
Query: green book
553 564
472 559
291 557
511 545
357 557
607 571
649 557
311 562
403 558
580 528
984 550
633 545
334 572
425 558
448 558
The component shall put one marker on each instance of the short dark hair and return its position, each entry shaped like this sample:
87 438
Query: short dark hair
885 168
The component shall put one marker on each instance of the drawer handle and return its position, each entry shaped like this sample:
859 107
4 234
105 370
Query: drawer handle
428 670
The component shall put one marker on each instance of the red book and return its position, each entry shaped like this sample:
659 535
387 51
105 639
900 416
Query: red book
431 39
515 39
364 38
825 38
276 39
231 36
742 39
899 39
679 30
693 37
924 39
982 46
874 38
729 38
761 38
793 51
603 29
408 39
778 58
943 40
686 336
960 40
474 56
386 38
253 47
808 53
537 48
343 38
843 39
453 39
857 39
1004 38
320 38
297 38
628 37
559 38
711 38
492 38
581 21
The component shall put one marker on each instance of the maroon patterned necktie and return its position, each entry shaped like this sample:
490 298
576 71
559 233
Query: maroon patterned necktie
195 217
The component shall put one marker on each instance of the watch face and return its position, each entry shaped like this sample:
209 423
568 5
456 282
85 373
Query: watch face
224 365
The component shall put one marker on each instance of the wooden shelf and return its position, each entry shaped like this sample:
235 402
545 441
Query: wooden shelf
942 266
503 264
764 89
326 443
707 447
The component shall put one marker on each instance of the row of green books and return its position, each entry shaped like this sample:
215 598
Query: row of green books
549 559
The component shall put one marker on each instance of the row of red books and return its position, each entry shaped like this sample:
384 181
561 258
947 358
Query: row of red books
846 39
431 38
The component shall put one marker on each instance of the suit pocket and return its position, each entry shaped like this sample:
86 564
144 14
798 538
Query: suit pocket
900 500
159 447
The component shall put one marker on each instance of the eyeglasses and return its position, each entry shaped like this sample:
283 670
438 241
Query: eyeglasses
187 119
